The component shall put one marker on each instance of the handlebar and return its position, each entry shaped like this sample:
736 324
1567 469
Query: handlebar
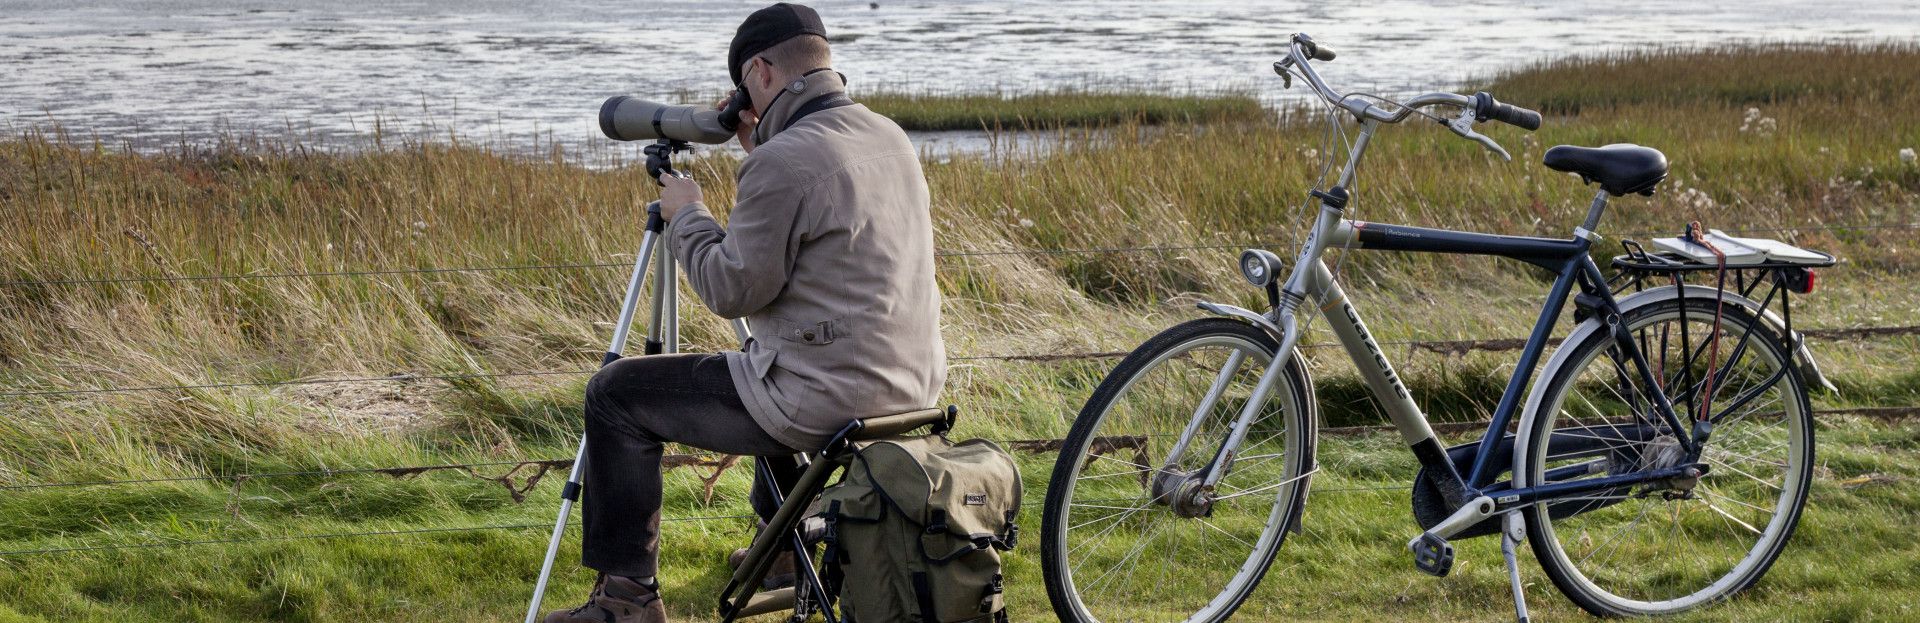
1476 109
1304 48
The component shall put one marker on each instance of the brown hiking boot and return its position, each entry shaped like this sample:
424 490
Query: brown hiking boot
780 575
616 600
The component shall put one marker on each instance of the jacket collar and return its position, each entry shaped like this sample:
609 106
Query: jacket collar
820 83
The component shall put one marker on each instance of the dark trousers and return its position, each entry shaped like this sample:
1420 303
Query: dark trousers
635 406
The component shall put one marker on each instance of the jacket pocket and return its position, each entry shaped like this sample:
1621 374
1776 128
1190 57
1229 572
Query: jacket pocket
760 360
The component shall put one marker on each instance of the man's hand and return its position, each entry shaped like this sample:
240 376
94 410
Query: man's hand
748 121
676 193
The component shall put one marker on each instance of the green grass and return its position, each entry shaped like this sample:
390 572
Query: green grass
74 210
1850 560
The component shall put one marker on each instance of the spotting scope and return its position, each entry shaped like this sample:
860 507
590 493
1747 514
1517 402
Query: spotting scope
628 118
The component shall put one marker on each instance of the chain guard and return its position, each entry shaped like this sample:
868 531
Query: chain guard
1430 507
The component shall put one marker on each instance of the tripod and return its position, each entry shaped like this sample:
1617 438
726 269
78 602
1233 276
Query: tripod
663 336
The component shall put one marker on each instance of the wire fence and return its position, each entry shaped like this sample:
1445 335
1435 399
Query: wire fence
124 279
1444 347
542 466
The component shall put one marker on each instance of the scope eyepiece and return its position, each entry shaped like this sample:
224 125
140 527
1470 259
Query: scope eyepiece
730 114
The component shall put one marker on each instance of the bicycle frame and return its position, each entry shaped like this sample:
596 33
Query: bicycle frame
1567 258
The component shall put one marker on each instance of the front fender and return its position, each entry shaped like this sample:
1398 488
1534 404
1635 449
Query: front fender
1242 313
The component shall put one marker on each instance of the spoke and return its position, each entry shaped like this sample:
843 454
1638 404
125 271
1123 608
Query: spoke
1090 522
1118 508
1730 517
1703 489
1109 529
1267 487
1136 472
1230 535
1131 554
1590 498
1756 409
1137 467
1739 471
1615 536
1236 464
1611 446
1752 458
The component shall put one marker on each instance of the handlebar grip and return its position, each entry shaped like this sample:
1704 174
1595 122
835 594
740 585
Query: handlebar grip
1314 50
1485 107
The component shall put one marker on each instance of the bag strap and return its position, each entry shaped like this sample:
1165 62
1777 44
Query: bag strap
834 557
824 102
923 590
993 589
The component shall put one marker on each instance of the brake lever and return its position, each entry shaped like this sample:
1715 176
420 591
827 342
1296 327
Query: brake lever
1463 126
1286 77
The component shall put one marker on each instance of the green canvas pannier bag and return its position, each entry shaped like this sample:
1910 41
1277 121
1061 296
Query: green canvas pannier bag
915 527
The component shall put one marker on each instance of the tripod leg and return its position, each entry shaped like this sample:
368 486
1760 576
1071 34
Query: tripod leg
570 493
666 295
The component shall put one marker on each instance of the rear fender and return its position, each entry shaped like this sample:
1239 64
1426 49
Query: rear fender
1804 359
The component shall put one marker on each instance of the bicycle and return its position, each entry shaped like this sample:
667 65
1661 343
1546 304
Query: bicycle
1651 470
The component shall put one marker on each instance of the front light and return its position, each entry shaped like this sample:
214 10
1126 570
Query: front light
1259 267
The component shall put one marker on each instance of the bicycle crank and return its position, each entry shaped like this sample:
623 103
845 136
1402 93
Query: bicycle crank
1431 552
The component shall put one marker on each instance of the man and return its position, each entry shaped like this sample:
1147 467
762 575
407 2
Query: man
828 253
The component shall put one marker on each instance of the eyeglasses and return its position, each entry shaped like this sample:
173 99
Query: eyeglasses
751 65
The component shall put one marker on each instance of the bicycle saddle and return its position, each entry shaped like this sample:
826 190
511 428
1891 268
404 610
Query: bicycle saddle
1620 168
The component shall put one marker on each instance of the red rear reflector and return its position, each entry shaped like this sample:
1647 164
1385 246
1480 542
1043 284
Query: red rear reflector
1811 278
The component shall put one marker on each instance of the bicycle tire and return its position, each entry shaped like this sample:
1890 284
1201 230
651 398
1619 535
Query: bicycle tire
1551 549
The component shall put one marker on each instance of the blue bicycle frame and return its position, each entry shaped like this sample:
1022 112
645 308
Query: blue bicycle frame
1567 258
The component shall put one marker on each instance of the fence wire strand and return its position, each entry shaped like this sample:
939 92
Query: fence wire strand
330 535
1437 346
123 279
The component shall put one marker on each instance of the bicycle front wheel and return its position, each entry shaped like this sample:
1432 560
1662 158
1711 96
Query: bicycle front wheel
1130 531
1664 547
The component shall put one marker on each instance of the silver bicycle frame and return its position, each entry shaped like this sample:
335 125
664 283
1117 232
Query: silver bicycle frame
1310 280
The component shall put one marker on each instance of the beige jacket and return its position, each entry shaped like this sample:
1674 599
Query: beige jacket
828 253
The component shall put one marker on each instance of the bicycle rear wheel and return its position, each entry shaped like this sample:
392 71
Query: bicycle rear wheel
1666 547
1128 534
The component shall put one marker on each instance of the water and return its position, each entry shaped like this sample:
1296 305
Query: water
151 73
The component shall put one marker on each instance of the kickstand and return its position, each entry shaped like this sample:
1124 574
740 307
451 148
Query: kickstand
1511 534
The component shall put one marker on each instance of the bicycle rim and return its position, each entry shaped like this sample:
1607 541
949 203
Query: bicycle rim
1122 548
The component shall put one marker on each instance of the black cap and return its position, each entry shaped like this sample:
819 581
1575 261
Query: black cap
768 27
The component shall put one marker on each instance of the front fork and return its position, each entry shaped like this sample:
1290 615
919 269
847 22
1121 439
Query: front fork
1192 493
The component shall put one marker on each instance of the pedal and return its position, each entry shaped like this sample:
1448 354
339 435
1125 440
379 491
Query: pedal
1432 554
